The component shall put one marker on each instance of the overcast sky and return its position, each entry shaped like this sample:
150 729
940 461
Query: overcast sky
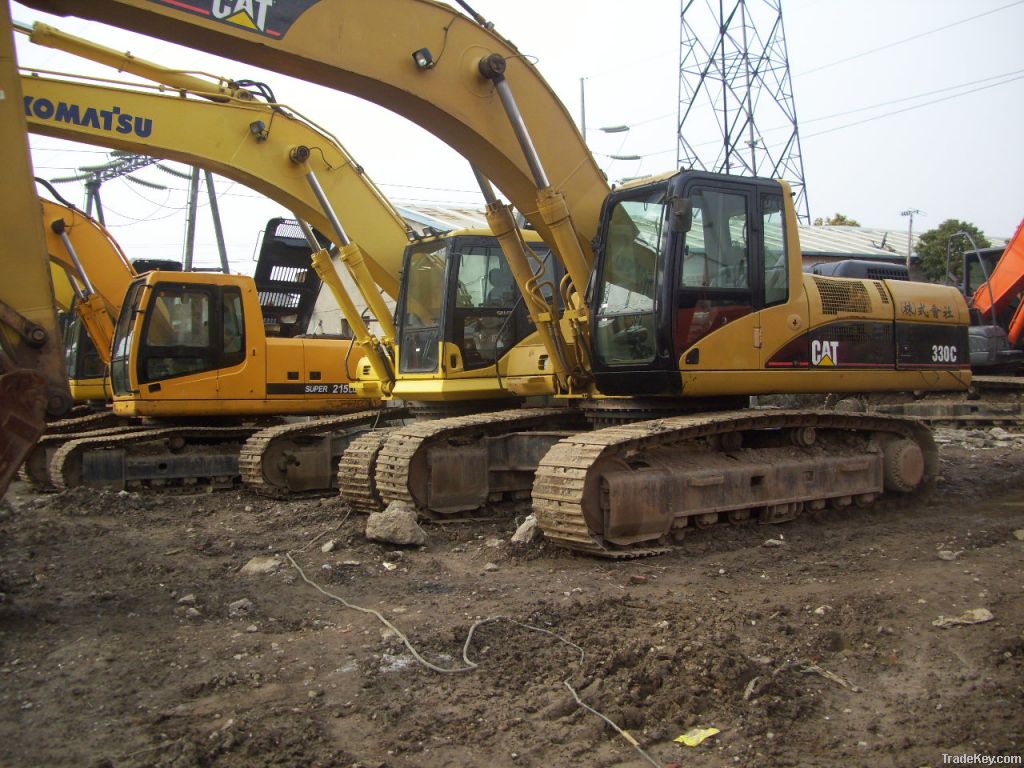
901 104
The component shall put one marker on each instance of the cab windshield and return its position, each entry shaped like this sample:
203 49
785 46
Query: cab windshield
123 337
422 302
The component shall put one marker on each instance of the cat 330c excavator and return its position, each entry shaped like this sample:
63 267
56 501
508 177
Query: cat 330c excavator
682 296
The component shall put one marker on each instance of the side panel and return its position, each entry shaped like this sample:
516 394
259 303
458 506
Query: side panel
931 330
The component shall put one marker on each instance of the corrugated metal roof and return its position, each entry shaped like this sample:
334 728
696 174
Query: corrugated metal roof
862 242
816 242
442 218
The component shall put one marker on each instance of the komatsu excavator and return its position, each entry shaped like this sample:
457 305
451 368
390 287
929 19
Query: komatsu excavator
683 295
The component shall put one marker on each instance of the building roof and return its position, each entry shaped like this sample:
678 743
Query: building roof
821 242
858 242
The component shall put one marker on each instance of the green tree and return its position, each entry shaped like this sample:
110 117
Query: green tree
931 248
839 220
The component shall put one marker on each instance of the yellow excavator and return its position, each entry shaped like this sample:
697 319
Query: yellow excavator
682 296
193 345
89 261
293 457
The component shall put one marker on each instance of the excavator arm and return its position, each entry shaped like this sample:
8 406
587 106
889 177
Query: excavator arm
337 43
263 146
95 267
248 142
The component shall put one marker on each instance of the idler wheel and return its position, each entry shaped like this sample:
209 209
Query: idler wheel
904 465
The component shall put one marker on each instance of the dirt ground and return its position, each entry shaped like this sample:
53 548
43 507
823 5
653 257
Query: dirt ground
129 636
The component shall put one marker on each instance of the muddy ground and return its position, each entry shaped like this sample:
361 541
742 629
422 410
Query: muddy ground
130 637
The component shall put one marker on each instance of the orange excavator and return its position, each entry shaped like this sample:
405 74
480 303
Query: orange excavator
993 278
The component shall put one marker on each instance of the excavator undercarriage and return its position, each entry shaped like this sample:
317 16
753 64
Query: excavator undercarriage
635 488
629 490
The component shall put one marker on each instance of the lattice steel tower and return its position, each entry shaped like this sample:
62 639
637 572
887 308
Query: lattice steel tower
736 109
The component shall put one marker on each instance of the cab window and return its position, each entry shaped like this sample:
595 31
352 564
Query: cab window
422 301
177 338
626 325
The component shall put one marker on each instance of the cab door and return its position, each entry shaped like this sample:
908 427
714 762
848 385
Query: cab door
785 313
715 326
631 322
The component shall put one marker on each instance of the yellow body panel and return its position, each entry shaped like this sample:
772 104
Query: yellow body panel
90 390
522 374
63 295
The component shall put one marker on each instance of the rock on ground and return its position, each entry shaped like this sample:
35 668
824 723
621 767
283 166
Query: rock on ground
395 525
261 564
526 532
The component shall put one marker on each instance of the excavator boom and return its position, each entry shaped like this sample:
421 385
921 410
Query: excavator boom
224 138
337 43
1007 278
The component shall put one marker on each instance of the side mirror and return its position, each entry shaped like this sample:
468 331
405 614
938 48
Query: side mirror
682 214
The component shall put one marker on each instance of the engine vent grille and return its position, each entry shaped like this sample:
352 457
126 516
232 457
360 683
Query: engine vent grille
842 296
882 293
878 335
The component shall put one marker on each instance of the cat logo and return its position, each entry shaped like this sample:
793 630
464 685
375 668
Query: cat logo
244 13
825 353
270 18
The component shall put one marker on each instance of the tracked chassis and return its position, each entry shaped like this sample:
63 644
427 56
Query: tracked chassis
634 489
446 467
298 458
630 490
274 459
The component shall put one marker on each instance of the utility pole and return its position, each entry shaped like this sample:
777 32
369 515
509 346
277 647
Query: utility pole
910 232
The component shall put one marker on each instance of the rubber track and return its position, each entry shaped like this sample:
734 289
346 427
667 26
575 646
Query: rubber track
356 481
33 465
87 422
559 484
404 444
73 449
250 460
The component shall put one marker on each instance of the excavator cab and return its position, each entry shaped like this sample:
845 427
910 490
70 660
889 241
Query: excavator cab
681 259
459 308
171 328
87 373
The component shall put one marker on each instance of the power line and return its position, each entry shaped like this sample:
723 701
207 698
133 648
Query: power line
915 96
851 111
907 39
1013 76
916 106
